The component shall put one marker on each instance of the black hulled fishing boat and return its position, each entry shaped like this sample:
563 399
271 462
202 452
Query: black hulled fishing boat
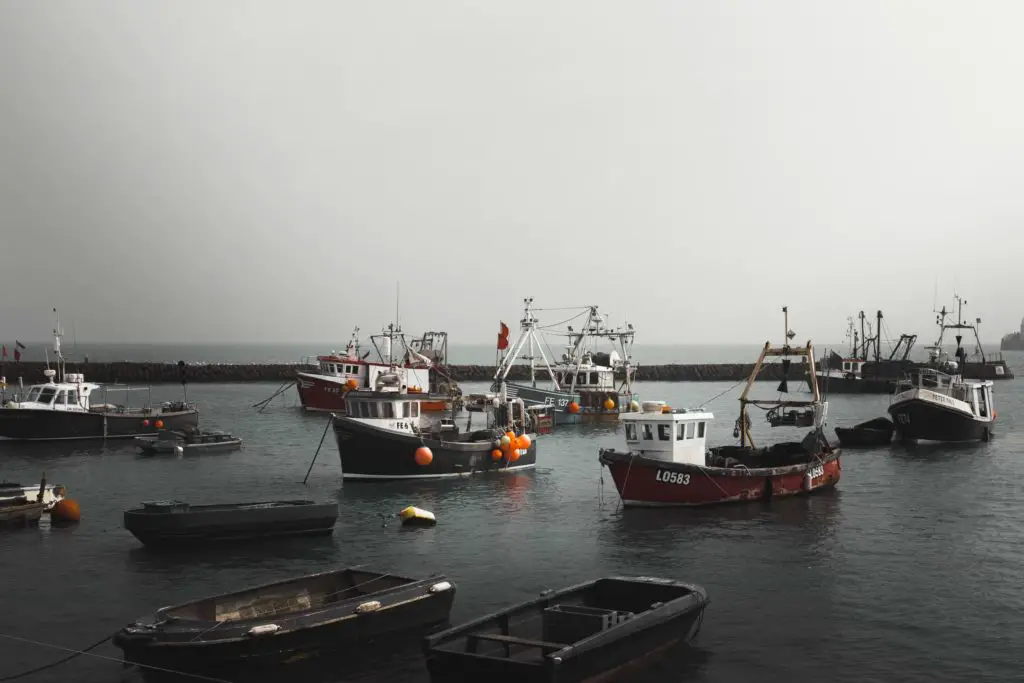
274 622
393 435
66 406
932 405
589 632
854 373
394 431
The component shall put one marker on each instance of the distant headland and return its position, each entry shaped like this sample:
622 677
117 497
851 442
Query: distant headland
1013 341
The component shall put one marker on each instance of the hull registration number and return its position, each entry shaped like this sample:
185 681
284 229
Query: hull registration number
815 472
669 477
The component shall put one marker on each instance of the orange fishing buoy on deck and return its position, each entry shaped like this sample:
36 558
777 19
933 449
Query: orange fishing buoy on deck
351 384
525 441
496 455
609 404
514 455
574 407
159 424
66 510
424 456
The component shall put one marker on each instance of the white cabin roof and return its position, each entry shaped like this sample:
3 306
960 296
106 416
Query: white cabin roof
659 411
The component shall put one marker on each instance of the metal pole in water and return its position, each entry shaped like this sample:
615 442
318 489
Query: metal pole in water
322 437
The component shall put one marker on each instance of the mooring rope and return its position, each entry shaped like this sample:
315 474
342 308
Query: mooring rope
86 651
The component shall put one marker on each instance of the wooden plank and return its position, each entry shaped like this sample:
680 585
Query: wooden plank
513 640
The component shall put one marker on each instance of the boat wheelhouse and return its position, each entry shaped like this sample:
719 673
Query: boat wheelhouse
339 373
403 435
667 463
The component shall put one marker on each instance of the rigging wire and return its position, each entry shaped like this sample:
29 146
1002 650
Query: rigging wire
86 651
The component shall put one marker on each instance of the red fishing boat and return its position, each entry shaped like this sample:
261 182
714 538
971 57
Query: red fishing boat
338 373
667 463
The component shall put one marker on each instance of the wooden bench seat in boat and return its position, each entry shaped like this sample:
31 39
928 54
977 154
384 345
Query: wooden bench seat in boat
512 640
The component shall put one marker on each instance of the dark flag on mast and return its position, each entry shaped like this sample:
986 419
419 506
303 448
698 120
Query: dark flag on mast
18 346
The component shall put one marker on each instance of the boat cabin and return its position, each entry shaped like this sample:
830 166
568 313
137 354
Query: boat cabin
662 433
72 394
409 412
977 395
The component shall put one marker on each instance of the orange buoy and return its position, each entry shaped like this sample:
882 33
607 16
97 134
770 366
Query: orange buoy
574 407
351 384
666 409
159 424
525 441
514 455
609 404
496 455
66 510
424 456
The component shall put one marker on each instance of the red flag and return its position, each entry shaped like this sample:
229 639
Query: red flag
18 346
503 337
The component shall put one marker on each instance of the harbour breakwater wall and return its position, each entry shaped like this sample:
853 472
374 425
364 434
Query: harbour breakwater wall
159 373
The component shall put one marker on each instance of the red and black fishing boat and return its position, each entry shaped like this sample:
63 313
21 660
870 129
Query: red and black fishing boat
666 462
338 373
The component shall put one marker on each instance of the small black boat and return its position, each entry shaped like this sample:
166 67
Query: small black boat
582 633
876 432
190 440
173 523
276 621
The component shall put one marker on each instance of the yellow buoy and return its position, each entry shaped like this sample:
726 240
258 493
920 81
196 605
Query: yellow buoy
414 516
634 407
609 404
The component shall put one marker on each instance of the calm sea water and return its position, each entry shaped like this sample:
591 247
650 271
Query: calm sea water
910 571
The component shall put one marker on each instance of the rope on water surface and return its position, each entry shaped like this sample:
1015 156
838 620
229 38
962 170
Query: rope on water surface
86 651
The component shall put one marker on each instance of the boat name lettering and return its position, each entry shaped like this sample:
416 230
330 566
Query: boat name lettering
816 472
670 477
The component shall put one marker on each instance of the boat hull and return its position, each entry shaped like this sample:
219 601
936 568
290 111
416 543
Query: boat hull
877 432
853 385
229 523
646 482
917 419
319 393
370 453
201 646
27 424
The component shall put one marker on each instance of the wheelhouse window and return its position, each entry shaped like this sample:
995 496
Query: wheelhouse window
664 432
61 398
33 394
593 378
700 430
387 410
364 410
46 395
648 433
72 397
689 430
630 431
680 431
415 409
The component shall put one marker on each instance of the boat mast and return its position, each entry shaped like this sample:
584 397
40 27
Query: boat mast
57 334
863 351
878 336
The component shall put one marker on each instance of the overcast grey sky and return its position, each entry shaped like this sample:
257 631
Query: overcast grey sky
267 171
